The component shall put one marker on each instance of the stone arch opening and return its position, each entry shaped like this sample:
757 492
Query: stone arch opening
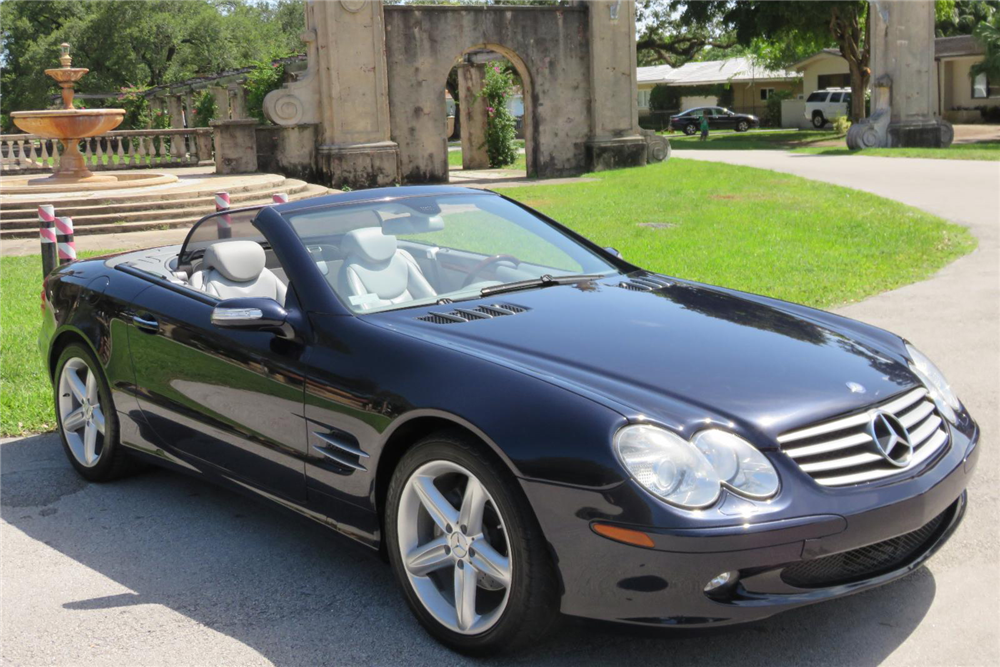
524 75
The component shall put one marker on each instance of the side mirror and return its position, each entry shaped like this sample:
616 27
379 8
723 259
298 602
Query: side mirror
253 314
613 251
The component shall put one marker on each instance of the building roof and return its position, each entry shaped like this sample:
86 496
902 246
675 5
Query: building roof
953 47
825 53
731 70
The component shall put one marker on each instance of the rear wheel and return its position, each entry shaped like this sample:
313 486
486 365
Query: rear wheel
467 549
690 129
818 120
88 423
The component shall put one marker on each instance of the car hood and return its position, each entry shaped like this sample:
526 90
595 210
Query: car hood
686 355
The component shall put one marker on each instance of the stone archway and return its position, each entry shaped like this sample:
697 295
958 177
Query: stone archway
372 90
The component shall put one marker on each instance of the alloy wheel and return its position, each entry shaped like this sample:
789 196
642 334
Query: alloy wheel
743 126
80 412
454 547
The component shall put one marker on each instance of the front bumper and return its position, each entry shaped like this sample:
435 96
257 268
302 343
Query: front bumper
664 585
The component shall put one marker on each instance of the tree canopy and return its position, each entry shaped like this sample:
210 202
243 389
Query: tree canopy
137 42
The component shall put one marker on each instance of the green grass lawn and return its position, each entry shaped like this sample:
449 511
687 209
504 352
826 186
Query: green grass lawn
455 160
750 229
25 393
986 150
753 140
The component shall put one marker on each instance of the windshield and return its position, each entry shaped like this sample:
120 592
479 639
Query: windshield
424 249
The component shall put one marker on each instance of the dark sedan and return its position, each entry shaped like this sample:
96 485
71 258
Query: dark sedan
520 421
689 122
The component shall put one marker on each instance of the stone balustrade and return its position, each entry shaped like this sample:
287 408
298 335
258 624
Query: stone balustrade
125 149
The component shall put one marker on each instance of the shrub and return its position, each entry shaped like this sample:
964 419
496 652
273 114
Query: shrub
841 124
137 111
501 129
262 79
990 114
773 112
5 124
205 109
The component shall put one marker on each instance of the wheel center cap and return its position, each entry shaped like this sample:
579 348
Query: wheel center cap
88 410
459 545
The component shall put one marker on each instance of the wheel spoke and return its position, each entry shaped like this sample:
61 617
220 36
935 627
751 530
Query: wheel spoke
441 511
465 596
90 443
99 419
92 387
74 420
473 503
426 558
489 561
76 385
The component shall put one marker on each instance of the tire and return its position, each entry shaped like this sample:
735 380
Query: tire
690 129
505 616
106 459
818 120
743 126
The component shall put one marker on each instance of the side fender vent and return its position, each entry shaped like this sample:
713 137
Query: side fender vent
645 283
484 312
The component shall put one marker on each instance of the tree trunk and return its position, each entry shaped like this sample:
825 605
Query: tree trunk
859 85
847 31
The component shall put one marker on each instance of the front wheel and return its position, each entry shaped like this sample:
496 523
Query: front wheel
87 419
690 129
467 549
818 120
743 126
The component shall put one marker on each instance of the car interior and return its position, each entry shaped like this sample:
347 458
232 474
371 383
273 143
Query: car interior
373 259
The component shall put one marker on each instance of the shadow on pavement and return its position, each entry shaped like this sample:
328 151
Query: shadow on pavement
301 595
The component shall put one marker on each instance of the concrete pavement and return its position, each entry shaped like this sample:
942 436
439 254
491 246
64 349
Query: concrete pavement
164 570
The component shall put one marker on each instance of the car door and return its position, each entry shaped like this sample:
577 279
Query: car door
834 106
220 400
723 119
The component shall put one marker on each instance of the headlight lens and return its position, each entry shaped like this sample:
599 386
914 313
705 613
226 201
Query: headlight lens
691 474
941 393
668 466
738 464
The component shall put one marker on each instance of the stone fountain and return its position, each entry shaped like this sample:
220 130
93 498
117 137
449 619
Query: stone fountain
69 126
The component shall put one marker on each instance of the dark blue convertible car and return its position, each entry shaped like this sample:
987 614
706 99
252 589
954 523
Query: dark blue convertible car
522 422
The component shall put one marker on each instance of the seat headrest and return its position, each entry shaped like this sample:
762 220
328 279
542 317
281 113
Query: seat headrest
239 261
370 244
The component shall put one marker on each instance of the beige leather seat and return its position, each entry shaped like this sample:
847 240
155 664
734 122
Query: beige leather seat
231 269
377 273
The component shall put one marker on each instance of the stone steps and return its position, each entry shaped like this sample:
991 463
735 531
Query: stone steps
137 212
162 219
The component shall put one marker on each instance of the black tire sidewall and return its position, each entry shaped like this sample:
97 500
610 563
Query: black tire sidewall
528 612
818 121
104 468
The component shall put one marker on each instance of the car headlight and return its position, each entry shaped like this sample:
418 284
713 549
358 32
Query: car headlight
691 474
738 464
937 386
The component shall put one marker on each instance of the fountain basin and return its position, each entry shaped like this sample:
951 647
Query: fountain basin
68 123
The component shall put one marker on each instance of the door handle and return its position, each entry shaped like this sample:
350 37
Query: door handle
147 324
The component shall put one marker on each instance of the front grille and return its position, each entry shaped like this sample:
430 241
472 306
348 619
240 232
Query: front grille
866 562
842 453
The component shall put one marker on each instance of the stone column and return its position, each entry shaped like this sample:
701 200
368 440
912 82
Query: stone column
355 148
235 146
189 120
614 116
221 96
472 126
237 101
902 34
175 111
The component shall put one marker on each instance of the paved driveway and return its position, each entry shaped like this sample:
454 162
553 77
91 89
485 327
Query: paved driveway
161 569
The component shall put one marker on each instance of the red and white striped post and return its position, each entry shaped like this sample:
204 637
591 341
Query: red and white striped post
280 198
223 222
64 237
47 235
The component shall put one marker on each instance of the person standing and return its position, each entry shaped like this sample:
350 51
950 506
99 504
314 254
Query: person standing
704 127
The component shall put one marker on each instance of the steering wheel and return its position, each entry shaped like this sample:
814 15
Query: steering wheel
486 263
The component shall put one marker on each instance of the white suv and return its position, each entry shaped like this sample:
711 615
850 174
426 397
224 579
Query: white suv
824 105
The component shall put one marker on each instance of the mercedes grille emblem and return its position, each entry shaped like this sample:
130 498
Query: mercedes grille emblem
890 438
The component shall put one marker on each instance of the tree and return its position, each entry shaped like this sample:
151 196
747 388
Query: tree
664 38
794 27
960 17
989 36
138 42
